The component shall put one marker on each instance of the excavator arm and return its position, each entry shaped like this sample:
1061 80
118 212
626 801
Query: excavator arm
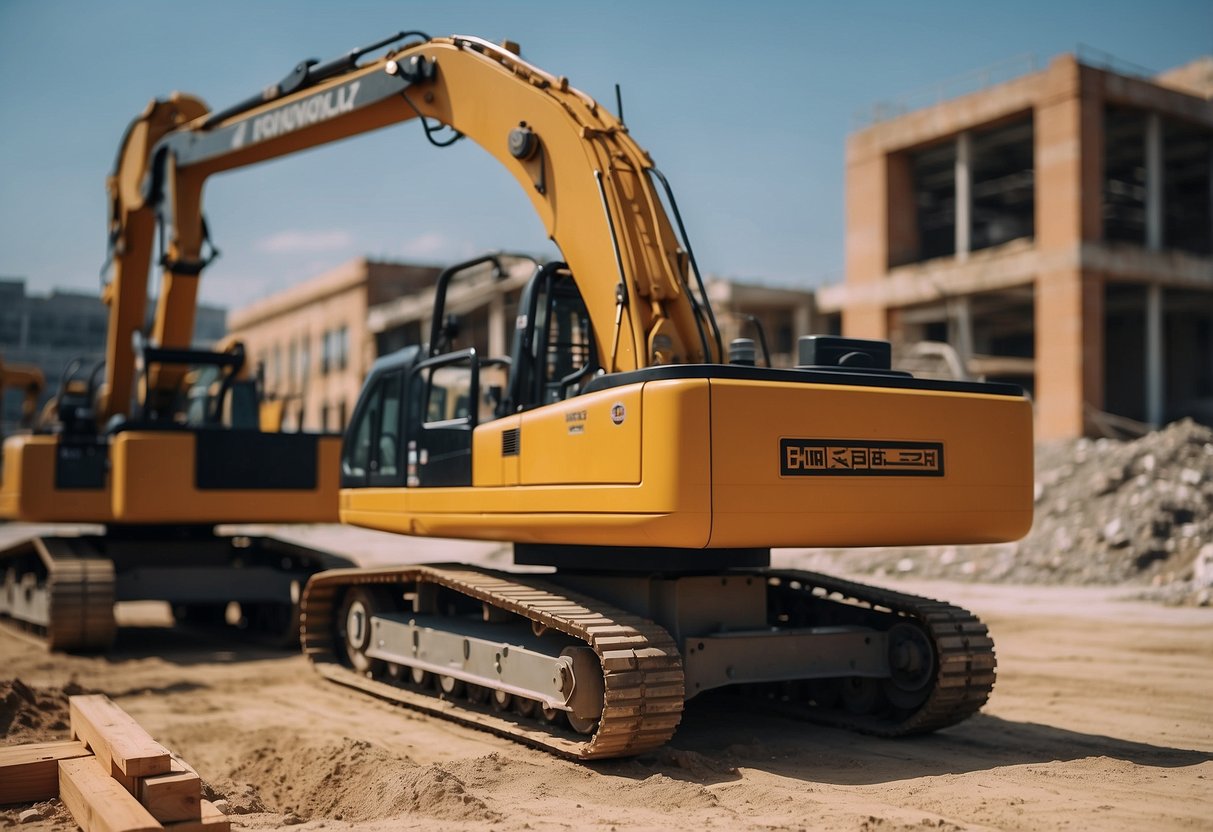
591 185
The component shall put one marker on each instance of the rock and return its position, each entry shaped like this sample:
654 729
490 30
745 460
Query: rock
1202 567
29 816
223 806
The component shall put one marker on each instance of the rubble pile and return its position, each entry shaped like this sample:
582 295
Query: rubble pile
1107 512
1111 512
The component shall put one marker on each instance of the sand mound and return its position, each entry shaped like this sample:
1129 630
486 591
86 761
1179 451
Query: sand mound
34 715
350 780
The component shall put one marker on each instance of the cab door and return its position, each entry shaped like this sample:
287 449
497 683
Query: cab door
373 455
447 387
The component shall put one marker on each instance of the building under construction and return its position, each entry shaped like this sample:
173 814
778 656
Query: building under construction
1055 229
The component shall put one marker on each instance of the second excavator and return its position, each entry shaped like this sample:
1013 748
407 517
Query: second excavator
642 470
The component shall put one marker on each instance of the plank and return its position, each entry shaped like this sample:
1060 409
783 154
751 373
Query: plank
212 820
175 796
30 773
121 745
98 802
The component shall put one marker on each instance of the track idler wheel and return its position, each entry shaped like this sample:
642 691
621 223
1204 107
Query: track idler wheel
587 699
354 628
912 662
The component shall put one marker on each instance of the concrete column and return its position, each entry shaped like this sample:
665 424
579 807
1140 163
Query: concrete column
1069 351
867 253
902 210
1155 363
497 324
960 312
964 195
1069 298
1154 182
802 321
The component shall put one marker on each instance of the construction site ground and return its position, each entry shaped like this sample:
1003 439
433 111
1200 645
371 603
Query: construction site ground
1100 719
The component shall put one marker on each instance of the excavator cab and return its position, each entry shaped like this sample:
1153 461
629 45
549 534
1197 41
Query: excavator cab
419 409
554 354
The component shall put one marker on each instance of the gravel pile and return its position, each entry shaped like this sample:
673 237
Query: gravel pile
1107 512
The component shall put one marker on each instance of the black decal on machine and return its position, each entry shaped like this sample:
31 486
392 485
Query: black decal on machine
859 458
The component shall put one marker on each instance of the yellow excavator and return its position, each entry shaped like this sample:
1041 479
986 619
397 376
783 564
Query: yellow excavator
160 445
641 468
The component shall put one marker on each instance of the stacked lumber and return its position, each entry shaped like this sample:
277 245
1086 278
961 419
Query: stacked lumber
111 775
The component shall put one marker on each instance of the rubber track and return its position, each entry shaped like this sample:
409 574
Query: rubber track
965 657
642 667
80 586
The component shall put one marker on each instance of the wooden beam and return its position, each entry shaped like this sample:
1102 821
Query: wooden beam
123 748
98 802
175 796
212 820
30 773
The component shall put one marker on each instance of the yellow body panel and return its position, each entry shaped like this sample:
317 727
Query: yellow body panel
984 495
590 440
489 466
712 472
153 480
28 491
670 506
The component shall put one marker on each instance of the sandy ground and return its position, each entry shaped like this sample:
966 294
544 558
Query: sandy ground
1102 718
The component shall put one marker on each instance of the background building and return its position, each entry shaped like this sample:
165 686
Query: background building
784 314
315 342
51 331
484 299
311 342
1056 230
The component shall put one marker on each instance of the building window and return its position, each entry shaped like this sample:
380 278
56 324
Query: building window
933 172
995 167
291 364
334 350
275 368
1187 193
1004 185
1124 182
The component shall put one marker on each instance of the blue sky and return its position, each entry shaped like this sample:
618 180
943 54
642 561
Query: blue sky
744 106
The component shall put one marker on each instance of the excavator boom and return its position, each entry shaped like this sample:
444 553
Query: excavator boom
591 185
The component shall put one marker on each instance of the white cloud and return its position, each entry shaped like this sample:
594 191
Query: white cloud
432 244
295 241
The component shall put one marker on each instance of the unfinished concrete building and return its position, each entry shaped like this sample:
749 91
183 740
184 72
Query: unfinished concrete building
1056 230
